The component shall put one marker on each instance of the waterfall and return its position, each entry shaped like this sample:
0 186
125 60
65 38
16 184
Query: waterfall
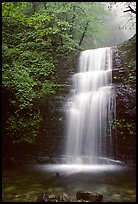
90 109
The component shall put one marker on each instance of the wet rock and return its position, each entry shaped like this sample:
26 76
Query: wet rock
47 197
17 196
63 198
124 83
11 161
57 174
44 160
88 196
42 198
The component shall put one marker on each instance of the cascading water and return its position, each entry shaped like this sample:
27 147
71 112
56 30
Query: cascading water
90 109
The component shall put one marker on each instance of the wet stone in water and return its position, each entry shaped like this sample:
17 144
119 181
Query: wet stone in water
88 196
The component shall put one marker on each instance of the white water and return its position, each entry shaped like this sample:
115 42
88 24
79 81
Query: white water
90 109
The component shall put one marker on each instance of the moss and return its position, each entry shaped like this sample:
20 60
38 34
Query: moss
130 78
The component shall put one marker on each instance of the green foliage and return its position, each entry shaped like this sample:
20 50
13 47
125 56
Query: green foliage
22 127
26 70
34 36
123 126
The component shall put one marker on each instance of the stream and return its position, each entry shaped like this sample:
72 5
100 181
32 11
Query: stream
24 183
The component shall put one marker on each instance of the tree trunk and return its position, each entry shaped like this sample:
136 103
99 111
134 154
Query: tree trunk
83 34
72 22
35 4
45 4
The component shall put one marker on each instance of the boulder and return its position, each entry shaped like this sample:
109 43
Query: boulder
89 196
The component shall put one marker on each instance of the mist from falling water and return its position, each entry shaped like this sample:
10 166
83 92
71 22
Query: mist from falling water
90 109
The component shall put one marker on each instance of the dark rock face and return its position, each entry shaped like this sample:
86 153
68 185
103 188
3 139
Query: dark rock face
125 90
51 138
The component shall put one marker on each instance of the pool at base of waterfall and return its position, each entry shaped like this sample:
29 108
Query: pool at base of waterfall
115 182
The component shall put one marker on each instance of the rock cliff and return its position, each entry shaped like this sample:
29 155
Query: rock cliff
124 80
